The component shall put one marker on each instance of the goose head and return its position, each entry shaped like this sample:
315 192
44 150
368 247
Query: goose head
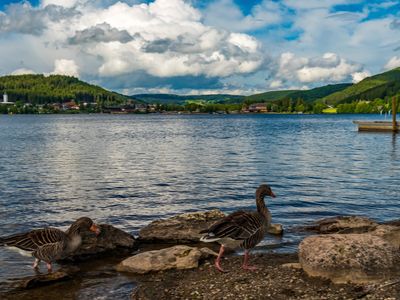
264 190
83 224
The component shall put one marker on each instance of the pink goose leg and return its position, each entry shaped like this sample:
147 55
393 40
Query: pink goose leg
49 267
245 265
218 260
36 263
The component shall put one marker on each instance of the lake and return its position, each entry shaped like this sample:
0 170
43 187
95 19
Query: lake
127 170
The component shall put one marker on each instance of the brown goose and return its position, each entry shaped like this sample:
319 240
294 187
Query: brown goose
51 244
241 229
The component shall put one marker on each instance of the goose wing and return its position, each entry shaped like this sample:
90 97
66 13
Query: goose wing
30 241
50 252
239 225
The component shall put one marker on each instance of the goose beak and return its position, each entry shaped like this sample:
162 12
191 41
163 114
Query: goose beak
95 228
272 195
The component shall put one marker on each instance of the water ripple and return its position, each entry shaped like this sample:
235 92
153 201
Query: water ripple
129 170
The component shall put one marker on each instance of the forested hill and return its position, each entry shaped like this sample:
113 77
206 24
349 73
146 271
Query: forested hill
181 99
378 86
308 96
40 89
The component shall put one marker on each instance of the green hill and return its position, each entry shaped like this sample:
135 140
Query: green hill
178 99
269 96
40 89
378 86
312 95
309 96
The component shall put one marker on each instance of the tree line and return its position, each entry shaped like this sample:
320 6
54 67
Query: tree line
39 89
284 106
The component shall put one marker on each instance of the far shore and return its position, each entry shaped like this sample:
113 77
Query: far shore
187 113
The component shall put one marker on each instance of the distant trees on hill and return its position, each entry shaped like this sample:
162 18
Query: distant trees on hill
40 89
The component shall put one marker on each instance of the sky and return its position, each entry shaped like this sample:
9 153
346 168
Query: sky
201 47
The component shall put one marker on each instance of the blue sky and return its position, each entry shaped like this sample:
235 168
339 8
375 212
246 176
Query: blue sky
197 47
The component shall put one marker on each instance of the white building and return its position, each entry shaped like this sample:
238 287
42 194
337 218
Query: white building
5 99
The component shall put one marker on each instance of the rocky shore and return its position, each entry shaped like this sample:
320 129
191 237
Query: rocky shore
344 257
277 278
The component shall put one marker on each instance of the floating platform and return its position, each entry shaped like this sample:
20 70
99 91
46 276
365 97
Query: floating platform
384 126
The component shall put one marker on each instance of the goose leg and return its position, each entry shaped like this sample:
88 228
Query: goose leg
36 263
49 267
218 260
245 265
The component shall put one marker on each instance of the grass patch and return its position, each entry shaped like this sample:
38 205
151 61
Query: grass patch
330 110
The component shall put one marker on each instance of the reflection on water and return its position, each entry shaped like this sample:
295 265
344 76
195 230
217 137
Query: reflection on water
129 170
394 138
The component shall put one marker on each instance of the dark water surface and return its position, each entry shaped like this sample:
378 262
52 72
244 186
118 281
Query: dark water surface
129 170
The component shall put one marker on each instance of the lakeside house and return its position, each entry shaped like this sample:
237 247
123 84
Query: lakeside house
71 105
130 108
257 108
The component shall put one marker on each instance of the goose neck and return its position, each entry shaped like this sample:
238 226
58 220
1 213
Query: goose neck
261 208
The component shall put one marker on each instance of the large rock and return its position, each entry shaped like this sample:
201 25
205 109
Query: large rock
185 228
176 257
110 239
357 258
342 224
182 228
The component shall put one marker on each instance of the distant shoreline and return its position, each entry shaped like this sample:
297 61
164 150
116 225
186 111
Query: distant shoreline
189 113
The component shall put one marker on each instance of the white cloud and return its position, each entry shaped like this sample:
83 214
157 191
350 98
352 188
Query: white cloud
22 71
65 67
170 40
328 68
25 19
226 14
276 84
316 4
356 36
64 3
393 63
358 76
164 38
166 90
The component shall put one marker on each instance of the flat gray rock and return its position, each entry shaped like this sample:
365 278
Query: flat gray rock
342 224
47 279
176 257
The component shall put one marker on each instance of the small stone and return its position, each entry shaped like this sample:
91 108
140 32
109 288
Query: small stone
275 229
296 266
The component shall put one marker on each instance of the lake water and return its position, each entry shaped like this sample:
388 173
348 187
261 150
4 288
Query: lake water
127 170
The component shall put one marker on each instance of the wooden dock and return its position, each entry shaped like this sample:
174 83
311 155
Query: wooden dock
384 126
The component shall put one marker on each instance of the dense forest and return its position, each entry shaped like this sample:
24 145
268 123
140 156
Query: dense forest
40 89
